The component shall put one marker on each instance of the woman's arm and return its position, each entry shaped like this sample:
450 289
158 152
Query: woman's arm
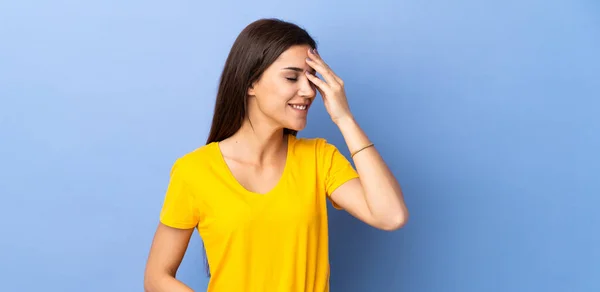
376 197
166 253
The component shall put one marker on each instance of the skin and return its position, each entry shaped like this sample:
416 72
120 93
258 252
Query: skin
256 155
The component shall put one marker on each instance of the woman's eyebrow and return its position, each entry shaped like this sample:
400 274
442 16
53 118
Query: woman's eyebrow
297 69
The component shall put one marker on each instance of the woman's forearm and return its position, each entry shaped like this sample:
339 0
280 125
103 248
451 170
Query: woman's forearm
382 191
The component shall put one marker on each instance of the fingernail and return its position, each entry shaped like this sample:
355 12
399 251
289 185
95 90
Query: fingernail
315 51
309 59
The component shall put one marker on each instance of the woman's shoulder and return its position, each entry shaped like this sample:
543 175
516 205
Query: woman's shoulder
313 145
304 142
312 141
197 158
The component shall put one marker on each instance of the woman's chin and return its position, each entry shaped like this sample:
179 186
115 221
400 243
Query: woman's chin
296 126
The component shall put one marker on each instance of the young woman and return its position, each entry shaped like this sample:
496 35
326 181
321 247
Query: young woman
256 193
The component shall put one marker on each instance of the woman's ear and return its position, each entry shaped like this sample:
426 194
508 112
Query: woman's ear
251 91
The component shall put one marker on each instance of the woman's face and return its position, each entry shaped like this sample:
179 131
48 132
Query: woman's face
283 94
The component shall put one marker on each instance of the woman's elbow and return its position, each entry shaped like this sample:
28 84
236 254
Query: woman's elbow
149 283
395 222
152 281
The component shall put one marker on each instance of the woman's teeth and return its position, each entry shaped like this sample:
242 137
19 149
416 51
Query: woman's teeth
299 107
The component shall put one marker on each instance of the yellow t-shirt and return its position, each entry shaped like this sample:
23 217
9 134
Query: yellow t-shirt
272 242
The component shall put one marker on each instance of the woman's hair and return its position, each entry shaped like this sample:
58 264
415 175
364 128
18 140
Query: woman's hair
255 49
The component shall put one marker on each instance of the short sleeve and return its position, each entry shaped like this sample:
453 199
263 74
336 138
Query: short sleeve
179 209
336 168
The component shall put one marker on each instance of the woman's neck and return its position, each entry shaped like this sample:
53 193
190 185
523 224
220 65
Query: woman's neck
256 143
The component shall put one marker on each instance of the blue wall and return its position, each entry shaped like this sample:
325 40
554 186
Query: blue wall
487 111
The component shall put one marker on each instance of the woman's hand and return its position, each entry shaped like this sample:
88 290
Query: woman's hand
331 88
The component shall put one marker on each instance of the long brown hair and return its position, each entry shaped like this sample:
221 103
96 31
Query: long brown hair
254 50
